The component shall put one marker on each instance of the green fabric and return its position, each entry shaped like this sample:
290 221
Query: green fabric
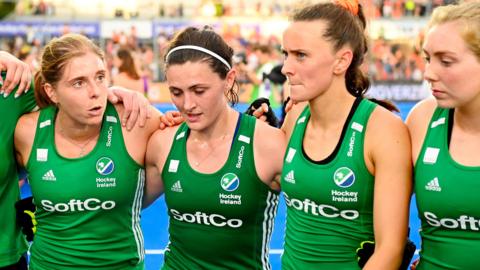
222 220
447 200
329 206
88 208
12 241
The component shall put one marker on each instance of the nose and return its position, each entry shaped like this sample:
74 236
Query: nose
287 69
429 74
189 101
94 90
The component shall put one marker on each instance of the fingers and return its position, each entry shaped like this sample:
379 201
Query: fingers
25 81
261 110
18 74
112 97
144 110
134 113
127 104
289 105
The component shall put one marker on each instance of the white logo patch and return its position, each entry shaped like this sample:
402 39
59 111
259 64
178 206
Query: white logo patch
244 139
438 122
49 176
42 154
111 119
290 177
290 154
431 155
433 185
301 120
357 126
177 187
173 166
179 136
45 123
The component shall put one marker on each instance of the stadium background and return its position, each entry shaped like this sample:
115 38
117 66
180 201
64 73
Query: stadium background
393 63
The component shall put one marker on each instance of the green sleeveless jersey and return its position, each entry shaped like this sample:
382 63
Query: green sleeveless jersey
88 208
12 241
222 220
448 202
329 203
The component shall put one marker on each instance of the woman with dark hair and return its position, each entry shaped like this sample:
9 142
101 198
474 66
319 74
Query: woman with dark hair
217 170
347 169
128 74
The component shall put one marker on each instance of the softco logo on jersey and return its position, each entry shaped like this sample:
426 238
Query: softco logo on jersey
324 210
230 182
463 222
91 204
105 166
206 219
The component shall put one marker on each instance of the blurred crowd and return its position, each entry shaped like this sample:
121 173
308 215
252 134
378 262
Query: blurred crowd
178 9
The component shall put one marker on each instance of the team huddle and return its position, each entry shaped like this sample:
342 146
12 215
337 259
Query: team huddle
346 165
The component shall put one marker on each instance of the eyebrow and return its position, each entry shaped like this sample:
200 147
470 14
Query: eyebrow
190 87
100 72
438 53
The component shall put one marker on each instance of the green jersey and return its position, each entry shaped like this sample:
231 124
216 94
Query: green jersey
88 208
329 202
222 220
447 201
12 242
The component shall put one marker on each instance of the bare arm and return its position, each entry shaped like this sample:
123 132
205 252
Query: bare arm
388 148
24 136
269 149
158 149
417 122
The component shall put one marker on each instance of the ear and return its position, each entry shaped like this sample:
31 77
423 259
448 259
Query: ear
230 79
51 93
343 60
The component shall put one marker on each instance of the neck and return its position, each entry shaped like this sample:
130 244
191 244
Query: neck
222 126
74 130
331 108
467 118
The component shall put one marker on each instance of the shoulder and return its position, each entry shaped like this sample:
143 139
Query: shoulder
25 135
421 114
27 122
160 143
268 137
292 116
417 122
386 130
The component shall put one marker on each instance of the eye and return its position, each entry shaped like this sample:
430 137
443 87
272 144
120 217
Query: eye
301 55
427 59
78 84
175 92
445 62
101 78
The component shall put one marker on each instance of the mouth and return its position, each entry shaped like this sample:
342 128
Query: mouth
94 111
192 117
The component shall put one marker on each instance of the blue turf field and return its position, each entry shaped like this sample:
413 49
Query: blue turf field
155 221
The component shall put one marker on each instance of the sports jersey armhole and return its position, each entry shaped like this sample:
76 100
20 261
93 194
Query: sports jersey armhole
112 110
36 138
183 128
252 124
435 115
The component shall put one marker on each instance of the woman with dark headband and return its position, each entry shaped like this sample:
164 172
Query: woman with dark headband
217 170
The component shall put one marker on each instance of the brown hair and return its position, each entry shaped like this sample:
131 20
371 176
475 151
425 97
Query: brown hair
208 39
56 55
343 28
468 13
128 65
